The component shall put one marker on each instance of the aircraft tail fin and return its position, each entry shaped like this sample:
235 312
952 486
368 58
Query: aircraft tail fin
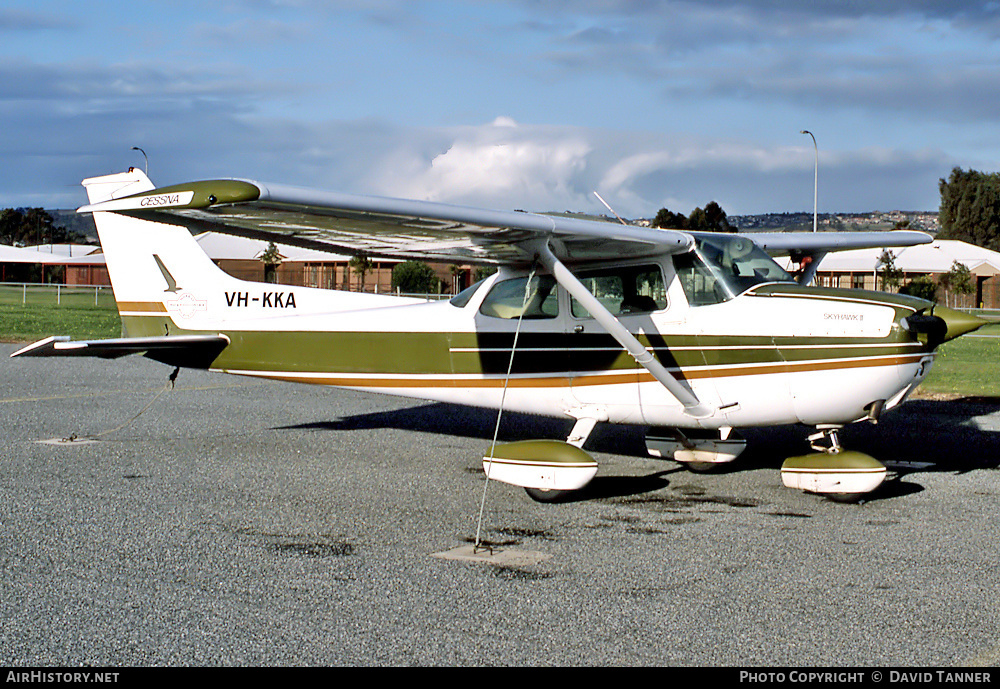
162 278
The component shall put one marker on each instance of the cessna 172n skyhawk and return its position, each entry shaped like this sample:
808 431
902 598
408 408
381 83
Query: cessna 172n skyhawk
691 334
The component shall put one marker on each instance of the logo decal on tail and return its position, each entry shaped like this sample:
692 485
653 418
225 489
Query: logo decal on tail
185 305
171 283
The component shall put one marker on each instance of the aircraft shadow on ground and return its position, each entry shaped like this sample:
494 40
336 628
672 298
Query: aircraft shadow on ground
922 436
471 422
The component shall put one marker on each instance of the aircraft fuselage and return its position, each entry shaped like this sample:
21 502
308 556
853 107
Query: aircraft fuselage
778 353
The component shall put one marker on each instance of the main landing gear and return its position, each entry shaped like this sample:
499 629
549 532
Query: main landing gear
839 474
548 470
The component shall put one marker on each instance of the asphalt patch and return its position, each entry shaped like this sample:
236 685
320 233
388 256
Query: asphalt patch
509 557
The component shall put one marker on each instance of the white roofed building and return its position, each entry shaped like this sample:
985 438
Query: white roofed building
238 256
241 258
859 269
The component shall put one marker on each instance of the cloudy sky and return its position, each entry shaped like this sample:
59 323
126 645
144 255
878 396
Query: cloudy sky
510 103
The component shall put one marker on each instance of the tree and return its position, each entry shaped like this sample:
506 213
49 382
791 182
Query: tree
923 287
414 277
483 272
970 208
10 226
698 221
959 279
711 218
717 219
891 275
668 220
271 260
31 226
360 264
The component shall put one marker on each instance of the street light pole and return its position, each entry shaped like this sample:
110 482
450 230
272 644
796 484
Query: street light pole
815 177
136 148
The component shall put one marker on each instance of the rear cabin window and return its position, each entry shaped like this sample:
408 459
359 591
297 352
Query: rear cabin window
624 290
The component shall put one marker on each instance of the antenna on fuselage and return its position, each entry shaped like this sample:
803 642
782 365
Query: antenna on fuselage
610 208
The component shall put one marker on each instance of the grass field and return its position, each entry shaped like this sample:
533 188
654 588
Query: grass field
53 295
967 366
28 323
36 312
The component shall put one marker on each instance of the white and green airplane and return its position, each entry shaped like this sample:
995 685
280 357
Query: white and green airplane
692 335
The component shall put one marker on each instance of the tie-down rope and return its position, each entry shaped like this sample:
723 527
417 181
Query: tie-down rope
503 396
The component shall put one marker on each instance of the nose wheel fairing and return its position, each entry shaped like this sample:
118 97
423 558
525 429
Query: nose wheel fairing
839 474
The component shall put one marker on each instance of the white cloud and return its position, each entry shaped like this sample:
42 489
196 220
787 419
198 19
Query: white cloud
533 167
501 163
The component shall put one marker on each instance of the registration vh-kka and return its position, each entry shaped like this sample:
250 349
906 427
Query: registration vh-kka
689 335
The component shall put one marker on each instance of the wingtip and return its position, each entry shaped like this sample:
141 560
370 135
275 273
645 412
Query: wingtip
41 347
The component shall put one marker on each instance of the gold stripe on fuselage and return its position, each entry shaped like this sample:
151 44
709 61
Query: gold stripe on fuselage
141 308
583 379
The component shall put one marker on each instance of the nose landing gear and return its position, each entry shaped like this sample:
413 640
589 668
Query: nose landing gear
839 474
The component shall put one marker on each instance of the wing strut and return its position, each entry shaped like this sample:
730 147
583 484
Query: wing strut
692 405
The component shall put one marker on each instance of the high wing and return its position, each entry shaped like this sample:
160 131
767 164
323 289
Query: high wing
401 228
813 243
809 248
387 227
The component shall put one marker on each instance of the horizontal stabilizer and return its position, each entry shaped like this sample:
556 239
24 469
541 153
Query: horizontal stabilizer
189 351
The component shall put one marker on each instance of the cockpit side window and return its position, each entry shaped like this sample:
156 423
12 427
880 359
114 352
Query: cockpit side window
701 285
507 298
624 290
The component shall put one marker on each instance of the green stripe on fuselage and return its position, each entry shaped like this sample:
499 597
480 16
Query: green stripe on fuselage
442 353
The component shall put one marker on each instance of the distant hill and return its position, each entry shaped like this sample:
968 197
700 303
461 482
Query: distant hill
75 222
924 221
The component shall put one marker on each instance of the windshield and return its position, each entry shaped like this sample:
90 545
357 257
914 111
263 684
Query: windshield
722 266
463 297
